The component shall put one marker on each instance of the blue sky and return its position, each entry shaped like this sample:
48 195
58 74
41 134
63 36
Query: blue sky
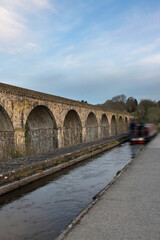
82 49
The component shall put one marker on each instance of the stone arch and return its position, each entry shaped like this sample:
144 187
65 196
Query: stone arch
72 129
126 124
6 135
41 130
91 127
104 126
120 126
113 126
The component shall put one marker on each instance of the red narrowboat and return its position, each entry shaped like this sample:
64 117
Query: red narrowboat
143 133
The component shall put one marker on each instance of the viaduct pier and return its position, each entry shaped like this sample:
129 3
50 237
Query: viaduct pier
32 122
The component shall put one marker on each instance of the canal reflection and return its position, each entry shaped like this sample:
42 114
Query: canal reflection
41 210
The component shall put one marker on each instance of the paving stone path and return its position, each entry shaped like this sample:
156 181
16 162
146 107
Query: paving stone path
130 208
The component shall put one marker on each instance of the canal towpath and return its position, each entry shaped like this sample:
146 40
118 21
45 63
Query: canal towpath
129 208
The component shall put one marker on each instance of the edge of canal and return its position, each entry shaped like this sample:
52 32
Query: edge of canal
20 177
95 199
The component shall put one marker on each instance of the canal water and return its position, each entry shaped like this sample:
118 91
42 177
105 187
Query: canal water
41 210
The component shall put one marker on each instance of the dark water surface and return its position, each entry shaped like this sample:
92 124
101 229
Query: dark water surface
41 210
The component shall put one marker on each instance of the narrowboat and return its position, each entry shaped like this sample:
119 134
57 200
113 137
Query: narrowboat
143 133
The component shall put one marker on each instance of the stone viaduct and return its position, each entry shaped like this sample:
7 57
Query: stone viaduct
34 122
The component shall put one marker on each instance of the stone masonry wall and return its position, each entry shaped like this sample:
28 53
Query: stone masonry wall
48 127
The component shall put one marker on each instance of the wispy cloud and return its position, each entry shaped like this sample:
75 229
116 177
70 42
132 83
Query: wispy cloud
101 44
153 59
16 34
27 5
11 25
147 48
